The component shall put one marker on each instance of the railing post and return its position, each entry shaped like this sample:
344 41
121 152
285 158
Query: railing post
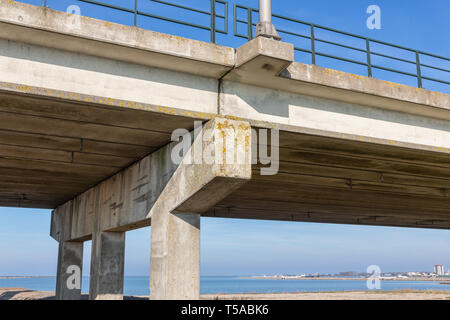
419 71
213 21
313 45
369 61
226 18
265 28
250 23
135 12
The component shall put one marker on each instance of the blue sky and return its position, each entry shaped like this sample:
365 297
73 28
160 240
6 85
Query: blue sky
231 247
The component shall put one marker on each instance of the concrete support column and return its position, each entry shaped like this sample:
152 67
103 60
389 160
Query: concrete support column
175 256
69 270
107 266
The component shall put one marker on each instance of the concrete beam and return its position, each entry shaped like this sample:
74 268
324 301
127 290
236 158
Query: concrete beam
344 86
60 30
69 271
103 52
107 266
128 199
45 28
49 69
270 64
119 203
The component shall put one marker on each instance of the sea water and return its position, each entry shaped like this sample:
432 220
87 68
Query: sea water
139 285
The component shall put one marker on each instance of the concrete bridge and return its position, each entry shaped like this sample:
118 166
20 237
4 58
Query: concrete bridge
87 111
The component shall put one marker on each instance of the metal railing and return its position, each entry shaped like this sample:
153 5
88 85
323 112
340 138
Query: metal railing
368 51
212 27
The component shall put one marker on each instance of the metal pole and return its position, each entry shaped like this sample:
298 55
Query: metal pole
265 28
419 72
313 45
213 21
369 60
265 11
135 12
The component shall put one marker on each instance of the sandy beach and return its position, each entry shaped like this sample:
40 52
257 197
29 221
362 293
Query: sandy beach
343 295
25 294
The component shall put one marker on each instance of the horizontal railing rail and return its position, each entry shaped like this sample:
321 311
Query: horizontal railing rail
212 27
369 52
311 36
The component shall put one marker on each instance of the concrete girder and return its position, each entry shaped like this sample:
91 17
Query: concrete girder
127 200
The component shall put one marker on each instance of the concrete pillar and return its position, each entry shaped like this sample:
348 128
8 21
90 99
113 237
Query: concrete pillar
175 256
69 270
107 266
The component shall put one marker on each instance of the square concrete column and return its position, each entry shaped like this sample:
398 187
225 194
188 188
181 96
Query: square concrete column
69 270
107 266
175 256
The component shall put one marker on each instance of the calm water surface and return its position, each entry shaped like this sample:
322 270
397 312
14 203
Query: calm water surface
230 284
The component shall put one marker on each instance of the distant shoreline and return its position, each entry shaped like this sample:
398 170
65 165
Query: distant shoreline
342 278
445 280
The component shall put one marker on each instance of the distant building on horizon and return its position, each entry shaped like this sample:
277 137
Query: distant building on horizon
439 270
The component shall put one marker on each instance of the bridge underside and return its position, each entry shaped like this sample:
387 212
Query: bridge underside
336 181
53 149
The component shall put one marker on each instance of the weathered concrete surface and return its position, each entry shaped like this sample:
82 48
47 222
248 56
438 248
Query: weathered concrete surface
172 196
175 256
175 238
73 146
59 30
274 56
274 106
52 69
334 84
128 199
70 119
107 266
330 101
70 259
69 269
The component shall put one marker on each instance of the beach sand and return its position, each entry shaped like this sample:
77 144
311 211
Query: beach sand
25 294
